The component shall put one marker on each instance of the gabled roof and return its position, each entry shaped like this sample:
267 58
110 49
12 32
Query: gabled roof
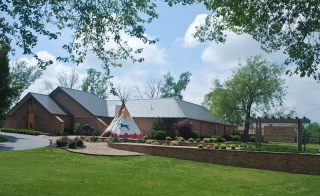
90 102
48 103
164 108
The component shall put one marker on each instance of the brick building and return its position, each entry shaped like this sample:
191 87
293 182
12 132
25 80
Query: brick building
64 107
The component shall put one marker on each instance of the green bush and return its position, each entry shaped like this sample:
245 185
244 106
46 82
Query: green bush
125 140
149 141
190 140
168 138
72 144
223 146
155 143
173 143
218 138
233 147
216 146
160 135
114 140
20 131
198 140
208 140
63 141
141 141
235 137
180 139
200 146
145 137
79 142
94 138
252 138
77 128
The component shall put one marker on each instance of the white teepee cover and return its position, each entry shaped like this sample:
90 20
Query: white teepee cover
123 126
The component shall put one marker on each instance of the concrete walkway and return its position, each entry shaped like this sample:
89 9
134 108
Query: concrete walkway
22 142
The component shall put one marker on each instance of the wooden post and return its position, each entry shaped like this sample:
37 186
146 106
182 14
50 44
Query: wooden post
257 134
260 131
299 135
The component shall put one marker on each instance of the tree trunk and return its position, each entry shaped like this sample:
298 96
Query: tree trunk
246 129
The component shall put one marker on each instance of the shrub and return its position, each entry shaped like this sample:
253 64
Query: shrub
141 141
173 143
235 137
218 138
252 138
94 138
149 141
180 139
233 147
160 135
190 139
208 147
207 140
20 131
115 140
194 135
223 146
63 141
77 128
145 137
183 129
200 146
198 140
125 140
72 144
79 142
168 138
155 143
158 124
216 146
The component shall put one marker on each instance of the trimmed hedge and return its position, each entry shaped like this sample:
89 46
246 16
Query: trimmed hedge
20 131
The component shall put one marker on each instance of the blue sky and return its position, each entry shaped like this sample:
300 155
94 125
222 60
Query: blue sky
177 51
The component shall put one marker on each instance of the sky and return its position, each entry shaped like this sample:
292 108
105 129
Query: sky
177 51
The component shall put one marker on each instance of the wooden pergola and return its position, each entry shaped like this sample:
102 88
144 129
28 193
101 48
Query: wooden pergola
298 121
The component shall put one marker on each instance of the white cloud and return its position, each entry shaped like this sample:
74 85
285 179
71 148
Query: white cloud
188 40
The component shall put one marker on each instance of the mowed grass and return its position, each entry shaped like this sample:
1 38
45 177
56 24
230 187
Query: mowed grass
51 171
284 147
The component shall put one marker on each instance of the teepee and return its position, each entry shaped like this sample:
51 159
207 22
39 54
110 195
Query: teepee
123 126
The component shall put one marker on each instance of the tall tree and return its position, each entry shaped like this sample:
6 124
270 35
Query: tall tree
21 77
151 89
174 89
96 83
93 24
254 84
314 130
289 26
69 80
5 91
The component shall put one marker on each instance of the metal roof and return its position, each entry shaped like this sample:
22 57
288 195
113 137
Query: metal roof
164 108
95 105
48 103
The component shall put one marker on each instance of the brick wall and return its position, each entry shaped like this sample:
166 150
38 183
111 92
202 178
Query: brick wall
287 162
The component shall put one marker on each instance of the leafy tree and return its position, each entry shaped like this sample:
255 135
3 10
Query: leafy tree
313 129
93 25
255 84
5 91
174 89
290 26
159 124
64 79
184 129
280 112
96 83
21 77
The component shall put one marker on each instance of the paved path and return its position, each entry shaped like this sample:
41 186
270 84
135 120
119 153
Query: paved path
103 149
22 142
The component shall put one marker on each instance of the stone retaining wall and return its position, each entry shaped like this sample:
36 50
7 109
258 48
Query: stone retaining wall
287 162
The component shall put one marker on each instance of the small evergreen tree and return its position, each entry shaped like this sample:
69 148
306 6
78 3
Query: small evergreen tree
5 91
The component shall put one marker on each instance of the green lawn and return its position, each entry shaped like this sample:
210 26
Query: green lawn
51 171
283 147
2 139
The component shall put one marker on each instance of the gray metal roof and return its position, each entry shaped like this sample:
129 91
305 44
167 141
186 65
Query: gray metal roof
164 108
92 103
48 103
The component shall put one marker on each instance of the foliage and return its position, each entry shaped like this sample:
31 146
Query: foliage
72 144
173 143
63 141
183 128
155 143
198 140
314 129
208 147
288 26
77 128
93 26
253 85
216 146
223 146
233 147
160 135
174 89
282 147
235 138
5 90
145 137
207 140
94 138
158 124
96 83
218 138
64 79
2 139
252 138
168 138
79 142
191 140
200 146
180 139
125 140
20 131
151 89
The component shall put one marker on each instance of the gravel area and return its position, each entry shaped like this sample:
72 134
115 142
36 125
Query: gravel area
103 149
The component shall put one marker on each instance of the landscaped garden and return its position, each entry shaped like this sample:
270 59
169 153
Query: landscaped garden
52 171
